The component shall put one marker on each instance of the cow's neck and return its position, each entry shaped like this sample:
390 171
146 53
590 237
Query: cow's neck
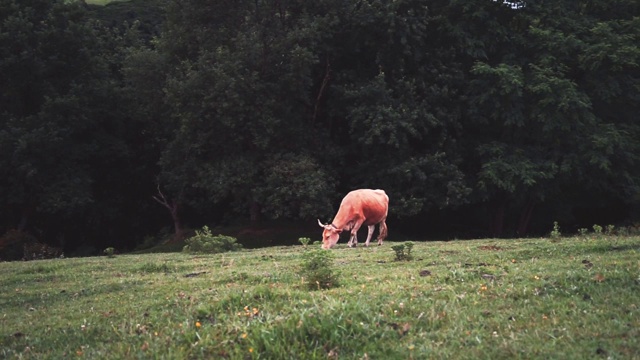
342 223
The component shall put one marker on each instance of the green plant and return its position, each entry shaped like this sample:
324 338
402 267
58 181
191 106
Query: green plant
583 231
317 269
204 242
555 233
403 251
110 252
610 230
597 229
304 241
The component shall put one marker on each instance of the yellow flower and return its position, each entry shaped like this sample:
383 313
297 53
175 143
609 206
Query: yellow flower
244 335
250 350
198 324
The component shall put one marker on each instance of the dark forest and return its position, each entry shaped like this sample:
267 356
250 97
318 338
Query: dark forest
135 122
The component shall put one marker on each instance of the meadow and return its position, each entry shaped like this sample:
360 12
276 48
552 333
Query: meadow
565 298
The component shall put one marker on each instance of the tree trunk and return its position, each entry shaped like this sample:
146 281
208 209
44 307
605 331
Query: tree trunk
174 207
177 224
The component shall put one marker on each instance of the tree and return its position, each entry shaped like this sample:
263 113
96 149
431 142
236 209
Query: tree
66 139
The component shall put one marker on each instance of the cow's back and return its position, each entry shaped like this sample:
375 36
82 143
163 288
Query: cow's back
373 205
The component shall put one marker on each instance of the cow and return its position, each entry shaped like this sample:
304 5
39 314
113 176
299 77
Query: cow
360 207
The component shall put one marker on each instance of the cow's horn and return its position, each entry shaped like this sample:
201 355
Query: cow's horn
321 224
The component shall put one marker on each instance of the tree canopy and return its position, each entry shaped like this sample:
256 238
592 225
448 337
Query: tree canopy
491 118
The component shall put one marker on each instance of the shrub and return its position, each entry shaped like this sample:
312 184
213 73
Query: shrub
597 229
304 241
204 242
317 269
110 252
403 251
555 233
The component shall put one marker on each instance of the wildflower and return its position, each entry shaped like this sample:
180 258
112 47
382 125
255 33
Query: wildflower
250 350
244 335
198 324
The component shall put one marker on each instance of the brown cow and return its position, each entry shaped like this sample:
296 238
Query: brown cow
360 207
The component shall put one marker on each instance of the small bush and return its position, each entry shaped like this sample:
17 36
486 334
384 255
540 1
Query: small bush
317 269
597 229
555 233
403 251
110 252
205 242
610 230
304 241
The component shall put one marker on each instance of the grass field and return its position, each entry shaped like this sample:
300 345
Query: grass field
572 298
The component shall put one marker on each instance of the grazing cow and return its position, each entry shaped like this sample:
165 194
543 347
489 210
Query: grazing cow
360 207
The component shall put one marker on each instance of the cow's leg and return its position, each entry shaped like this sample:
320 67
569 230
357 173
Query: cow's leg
353 241
383 231
371 228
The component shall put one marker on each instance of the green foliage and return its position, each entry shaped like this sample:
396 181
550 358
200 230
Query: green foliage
109 252
555 233
304 241
610 230
403 251
205 242
597 229
318 270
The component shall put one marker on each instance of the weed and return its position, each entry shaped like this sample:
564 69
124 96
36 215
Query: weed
597 229
610 230
555 233
403 251
204 242
318 270
304 241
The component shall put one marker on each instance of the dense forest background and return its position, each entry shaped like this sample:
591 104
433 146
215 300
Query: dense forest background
141 119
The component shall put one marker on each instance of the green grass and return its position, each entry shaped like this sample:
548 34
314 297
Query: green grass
572 298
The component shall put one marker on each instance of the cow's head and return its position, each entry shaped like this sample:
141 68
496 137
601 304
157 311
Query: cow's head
330 235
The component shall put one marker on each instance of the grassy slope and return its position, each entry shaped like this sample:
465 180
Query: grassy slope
576 298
